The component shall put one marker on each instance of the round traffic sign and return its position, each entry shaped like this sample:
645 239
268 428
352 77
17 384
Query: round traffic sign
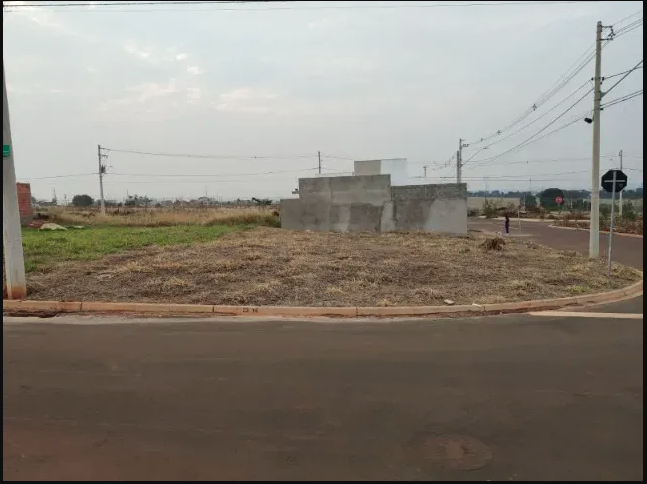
559 200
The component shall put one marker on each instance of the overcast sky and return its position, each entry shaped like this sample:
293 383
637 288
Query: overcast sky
257 89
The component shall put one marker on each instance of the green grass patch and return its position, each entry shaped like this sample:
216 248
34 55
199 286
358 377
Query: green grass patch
43 248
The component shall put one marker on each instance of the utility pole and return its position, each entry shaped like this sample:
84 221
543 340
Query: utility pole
11 231
425 171
319 157
459 161
594 232
620 196
102 171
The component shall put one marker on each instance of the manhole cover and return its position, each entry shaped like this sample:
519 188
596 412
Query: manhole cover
451 452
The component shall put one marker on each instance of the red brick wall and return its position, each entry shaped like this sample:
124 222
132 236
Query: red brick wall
24 199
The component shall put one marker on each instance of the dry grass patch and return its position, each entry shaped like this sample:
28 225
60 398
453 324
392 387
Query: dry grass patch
166 217
267 266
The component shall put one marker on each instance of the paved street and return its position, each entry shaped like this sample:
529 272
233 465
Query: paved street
506 398
501 398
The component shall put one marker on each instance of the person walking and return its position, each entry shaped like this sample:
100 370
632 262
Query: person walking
507 224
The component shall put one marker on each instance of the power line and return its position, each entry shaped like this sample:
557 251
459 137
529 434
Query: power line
626 74
570 73
563 80
554 160
621 73
628 28
530 123
58 176
203 175
531 138
521 177
337 157
208 157
68 6
627 17
622 99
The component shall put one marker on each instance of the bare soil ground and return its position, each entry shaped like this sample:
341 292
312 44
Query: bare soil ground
267 266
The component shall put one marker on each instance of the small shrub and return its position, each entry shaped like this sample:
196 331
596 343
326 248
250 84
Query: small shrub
493 243
489 209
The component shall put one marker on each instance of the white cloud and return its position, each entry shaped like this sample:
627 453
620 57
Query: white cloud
246 100
152 90
133 49
326 23
193 94
44 18
182 56
195 70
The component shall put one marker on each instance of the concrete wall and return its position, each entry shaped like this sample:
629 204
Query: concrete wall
430 208
396 167
370 203
341 190
367 167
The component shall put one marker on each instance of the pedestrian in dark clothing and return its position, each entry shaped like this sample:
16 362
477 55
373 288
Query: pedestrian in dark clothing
507 224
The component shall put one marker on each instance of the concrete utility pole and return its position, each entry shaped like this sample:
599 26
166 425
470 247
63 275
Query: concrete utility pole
459 162
319 156
620 195
102 171
594 232
11 231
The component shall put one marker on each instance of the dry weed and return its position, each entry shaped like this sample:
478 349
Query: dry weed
267 266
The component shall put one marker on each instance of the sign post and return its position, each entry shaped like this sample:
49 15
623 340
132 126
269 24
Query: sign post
613 216
613 181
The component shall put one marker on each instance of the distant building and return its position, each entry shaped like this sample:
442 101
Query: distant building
24 201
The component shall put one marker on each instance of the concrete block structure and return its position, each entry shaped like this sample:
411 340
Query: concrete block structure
362 203
396 167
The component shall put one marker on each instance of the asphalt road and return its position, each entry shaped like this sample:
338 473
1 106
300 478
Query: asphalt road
506 398
500 398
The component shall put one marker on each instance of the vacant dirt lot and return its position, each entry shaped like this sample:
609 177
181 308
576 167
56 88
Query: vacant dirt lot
266 266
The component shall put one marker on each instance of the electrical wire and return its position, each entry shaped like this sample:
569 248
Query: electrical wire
532 139
626 74
622 99
570 73
621 73
628 28
627 17
202 175
59 176
87 5
530 123
208 157
562 82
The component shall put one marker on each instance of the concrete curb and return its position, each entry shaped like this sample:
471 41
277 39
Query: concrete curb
28 306
636 236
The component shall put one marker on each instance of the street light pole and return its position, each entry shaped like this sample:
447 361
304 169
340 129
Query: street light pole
594 232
